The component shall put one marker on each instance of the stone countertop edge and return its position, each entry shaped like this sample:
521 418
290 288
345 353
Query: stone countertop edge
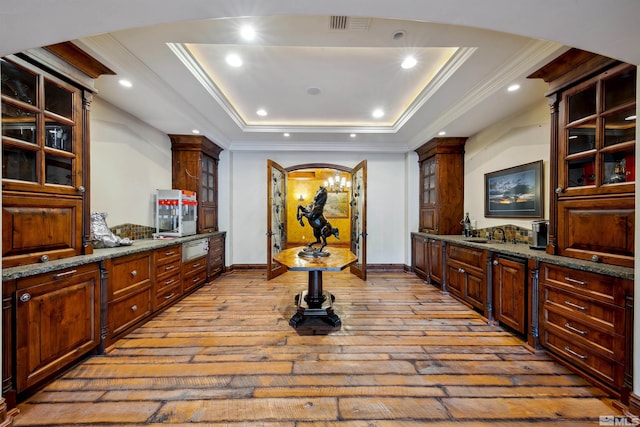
524 251
98 255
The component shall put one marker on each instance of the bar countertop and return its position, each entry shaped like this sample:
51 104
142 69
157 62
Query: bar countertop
97 256
524 251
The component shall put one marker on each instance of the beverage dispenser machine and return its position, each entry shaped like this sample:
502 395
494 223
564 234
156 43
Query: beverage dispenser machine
176 213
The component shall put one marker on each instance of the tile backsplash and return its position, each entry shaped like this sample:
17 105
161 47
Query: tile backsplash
133 231
512 232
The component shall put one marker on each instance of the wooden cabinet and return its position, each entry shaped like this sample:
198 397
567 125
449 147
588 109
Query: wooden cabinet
216 257
435 255
45 153
441 185
466 278
57 322
585 320
167 283
592 162
194 273
419 254
128 293
195 168
509 275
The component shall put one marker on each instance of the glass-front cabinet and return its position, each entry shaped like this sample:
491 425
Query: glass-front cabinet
599 118
40 126
592 159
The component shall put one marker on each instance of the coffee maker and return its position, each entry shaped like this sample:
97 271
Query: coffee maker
539 234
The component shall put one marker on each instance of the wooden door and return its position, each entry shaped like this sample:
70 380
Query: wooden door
276 216
359 219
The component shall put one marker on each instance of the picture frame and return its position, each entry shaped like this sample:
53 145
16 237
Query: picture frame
337 205
514 192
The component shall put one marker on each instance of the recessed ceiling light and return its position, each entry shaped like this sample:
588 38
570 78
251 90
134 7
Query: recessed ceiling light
513 87
286 134
377 113
353 135
442 133
234 60
398 35
261 112
195 131
409 62
125 83
313 91
247 32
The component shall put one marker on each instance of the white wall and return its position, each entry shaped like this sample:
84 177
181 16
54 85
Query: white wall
522 138
386 202
129 161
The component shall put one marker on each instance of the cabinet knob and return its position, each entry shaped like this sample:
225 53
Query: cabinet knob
134 273
134 308
81 189
461 270
595 258
25 297
495 262
559 190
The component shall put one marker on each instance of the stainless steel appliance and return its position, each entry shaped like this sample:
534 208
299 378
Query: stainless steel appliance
539 234
194 249
176 213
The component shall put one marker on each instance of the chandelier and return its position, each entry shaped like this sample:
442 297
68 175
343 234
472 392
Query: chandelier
337 183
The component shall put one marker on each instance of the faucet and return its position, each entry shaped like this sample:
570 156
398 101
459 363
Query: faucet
504 236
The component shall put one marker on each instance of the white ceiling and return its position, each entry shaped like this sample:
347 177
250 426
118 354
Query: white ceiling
181 82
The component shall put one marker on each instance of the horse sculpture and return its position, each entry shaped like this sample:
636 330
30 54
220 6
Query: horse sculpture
321 227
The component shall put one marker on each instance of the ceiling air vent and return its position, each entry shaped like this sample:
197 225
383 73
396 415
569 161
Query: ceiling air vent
349 23
339 22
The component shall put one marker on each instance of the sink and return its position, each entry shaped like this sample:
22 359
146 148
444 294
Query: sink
477 240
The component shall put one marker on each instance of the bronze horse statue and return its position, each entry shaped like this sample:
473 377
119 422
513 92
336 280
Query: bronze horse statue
314 212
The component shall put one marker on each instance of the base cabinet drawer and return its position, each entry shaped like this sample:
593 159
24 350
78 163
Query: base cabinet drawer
127 311
194 273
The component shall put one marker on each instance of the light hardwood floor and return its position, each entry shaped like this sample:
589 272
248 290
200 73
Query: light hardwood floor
406 355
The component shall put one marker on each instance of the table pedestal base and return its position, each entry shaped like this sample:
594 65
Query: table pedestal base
324 312
315 303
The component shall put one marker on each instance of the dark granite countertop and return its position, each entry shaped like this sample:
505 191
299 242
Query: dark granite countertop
524 251
97 256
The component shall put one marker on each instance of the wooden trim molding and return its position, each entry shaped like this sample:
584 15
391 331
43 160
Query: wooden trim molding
634 404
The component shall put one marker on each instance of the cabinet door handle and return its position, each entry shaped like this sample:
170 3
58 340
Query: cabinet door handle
169 253
170 267
579 307
168 282
576 281
581 356
196 265
169 296
26 297
576 330
134 308
65 273
461 270
134 273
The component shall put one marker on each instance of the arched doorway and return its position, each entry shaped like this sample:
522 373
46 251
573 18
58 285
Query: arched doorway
345 209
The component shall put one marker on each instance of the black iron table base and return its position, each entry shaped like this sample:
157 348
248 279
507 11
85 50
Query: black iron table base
315 303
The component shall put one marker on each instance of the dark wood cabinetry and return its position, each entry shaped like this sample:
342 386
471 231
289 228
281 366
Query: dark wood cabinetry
57 322
194 273
128 293
585 322
216 257
509 275
593 124
195 168
441 185
46 97
427 258
167 283
466 278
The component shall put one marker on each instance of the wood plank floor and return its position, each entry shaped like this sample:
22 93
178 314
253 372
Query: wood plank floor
406 355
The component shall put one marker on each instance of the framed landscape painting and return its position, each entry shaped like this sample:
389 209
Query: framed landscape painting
514 192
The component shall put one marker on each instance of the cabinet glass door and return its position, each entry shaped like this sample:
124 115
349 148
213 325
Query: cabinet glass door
39 114
600 127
